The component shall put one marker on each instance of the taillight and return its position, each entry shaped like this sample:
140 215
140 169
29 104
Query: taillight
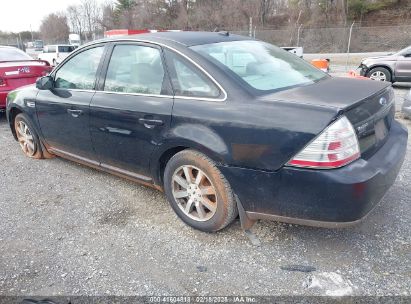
2 82
335 147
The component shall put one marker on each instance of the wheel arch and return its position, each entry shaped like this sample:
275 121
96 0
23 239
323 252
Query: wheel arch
382 66
161 157
13 112
161 163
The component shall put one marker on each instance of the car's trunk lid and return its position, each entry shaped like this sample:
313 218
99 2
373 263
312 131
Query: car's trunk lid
22 69
372 119
369 105
18 73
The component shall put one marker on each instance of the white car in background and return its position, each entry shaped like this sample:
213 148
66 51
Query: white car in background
54 54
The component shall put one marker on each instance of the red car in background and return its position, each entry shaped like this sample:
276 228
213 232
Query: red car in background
18 69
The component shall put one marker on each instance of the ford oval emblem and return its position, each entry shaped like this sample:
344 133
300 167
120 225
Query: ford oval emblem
383 101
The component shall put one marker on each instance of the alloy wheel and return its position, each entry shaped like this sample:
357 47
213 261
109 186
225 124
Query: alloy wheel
194 193
25 138
379 76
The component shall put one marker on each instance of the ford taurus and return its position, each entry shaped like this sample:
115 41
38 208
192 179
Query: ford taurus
223 124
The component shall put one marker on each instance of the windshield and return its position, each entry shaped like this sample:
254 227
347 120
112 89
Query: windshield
66 48
12 54
261 65
38 44
404 52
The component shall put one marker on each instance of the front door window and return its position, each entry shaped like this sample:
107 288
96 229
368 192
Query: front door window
80 71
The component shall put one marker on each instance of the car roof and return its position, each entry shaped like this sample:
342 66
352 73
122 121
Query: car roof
8 47
184 38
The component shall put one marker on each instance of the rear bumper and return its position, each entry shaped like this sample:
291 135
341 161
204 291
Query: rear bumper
3 97
325 198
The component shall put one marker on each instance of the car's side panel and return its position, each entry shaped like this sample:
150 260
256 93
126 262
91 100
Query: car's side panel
403 69
122 132
119 135
263 137
258 134
64 120
63 112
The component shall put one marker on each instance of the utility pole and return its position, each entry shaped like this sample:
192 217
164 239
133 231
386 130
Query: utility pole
31 32
348 47
298 35
250 27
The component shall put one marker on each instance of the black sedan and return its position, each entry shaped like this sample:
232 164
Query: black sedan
223 124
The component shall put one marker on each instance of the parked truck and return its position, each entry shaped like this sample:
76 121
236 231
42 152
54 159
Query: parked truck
74 39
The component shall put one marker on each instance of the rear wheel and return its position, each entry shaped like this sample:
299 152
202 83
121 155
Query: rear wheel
379 74
27 137
198 192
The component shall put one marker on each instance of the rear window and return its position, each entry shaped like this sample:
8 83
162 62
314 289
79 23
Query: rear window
12 54
66 48
261 65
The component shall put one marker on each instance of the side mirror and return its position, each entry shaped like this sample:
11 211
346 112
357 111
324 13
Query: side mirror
45 83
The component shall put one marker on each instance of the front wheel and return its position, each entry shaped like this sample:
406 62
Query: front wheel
379 74
198 192
27 137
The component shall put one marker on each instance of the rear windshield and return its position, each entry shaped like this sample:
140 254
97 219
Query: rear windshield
12 54
261 65
66 48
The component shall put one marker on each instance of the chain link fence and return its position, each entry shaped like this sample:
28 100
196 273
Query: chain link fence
335 40
321 40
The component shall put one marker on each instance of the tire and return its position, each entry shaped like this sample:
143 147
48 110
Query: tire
27 137
380 74
210 210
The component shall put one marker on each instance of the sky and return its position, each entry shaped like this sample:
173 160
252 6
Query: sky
18 15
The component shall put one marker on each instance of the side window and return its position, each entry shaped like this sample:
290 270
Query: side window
80 71
188 80
135 69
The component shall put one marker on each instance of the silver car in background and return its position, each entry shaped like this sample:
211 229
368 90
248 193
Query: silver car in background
393 68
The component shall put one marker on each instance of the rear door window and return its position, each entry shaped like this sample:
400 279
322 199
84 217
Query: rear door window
65 48
135 69
188 80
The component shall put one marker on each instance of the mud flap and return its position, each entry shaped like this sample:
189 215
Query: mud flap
246 222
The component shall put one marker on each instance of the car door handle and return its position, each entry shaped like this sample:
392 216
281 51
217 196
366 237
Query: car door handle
150 123
74 113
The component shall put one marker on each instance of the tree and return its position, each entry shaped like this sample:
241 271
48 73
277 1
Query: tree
91 14
75 19
124 13
54 28
107 21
